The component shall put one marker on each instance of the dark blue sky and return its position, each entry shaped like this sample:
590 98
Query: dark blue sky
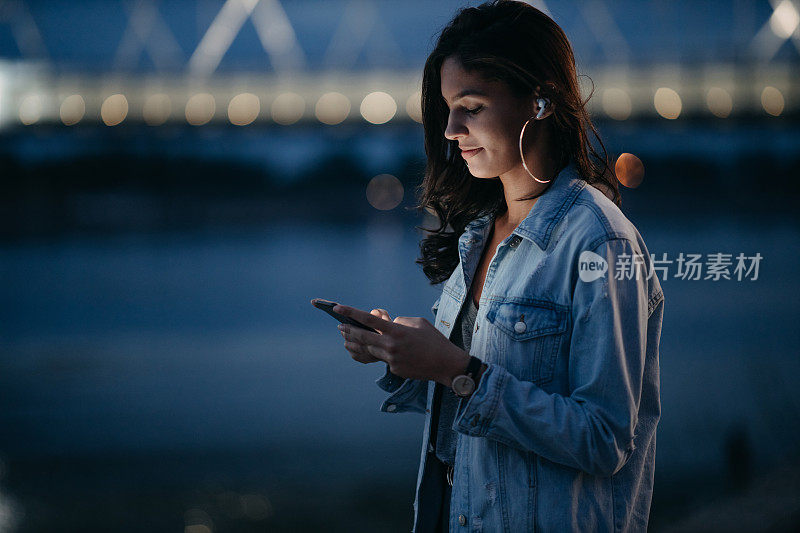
86 34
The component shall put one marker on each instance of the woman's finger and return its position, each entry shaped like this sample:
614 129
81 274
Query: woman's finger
368 319
359 353
357 349
361 335
382 313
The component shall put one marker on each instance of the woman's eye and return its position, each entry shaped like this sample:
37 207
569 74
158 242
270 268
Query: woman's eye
474 110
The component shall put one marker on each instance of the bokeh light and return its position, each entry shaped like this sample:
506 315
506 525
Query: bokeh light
784 19
378 107
629 170
30 109
287 108
617 103
200 109
255 507
384 192
197 521
114 109
414 107
197 528
667 103
719 102
243 109
72 110
157 109
332 108
772 100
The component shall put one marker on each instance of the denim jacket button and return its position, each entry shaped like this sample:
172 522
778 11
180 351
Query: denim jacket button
520 327
391 408
462 520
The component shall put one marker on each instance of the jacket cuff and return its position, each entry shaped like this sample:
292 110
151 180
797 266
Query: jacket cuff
389 382
475 413
410 397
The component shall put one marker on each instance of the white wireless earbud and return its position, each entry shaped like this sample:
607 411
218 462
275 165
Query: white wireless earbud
543 103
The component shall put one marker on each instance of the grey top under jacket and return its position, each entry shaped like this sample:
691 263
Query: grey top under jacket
445 402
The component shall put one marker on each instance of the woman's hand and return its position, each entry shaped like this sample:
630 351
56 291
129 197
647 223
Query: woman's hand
411 346
358 351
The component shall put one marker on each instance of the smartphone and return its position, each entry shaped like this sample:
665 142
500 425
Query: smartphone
327 306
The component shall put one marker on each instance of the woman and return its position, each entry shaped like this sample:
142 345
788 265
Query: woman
539 378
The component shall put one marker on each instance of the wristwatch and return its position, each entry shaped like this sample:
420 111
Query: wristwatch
464 385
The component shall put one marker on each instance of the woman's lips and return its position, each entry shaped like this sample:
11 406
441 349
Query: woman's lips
466 154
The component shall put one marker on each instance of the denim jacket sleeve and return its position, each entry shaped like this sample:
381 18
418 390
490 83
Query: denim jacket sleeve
592 429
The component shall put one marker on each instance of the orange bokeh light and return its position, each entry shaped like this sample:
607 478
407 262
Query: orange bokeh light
629 170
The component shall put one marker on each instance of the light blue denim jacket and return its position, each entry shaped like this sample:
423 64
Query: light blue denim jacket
560 434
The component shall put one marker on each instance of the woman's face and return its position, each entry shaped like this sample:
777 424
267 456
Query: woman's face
485 118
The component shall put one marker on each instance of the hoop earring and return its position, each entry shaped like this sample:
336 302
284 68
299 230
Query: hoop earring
522 156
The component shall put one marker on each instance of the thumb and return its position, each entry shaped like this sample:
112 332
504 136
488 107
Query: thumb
382 313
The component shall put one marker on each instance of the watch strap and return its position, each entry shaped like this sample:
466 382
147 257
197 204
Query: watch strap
473 367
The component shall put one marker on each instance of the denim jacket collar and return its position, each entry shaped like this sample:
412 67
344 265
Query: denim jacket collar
545 214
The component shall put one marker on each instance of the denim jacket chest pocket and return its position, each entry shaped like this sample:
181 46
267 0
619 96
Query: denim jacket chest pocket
527 335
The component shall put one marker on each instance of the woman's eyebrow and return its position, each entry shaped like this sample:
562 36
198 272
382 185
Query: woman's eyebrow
468 92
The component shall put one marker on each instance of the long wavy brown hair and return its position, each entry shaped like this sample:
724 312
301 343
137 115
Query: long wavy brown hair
515 43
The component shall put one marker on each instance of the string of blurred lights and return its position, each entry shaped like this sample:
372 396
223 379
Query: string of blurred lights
615 101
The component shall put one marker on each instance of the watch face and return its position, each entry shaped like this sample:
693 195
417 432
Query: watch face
463 385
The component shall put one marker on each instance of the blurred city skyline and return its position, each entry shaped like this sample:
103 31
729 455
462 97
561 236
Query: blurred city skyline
184 99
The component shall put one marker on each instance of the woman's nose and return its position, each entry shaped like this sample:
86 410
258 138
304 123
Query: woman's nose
455 128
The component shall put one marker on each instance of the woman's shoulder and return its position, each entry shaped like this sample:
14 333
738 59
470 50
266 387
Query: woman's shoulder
596 218
595 223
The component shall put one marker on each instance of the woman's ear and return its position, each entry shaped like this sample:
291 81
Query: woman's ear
548 109
550 106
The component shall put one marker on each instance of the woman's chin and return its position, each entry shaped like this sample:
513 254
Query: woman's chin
478 171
